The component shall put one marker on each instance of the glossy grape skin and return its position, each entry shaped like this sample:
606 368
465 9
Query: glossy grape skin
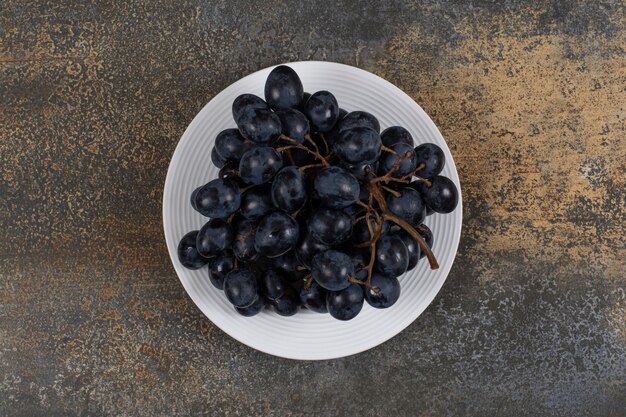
188 255
243 244
245 103
307 248
442 196
345 304
361 232
283 88
412 247
359 118
409 206
217 159
219 267
357 146
253 309
293 124
396 134
259 165
314 298
305 97
217 199
256 202
336 187
261 126
388 291
330 227
392 256
214 237
332 269
289 264
230 145
272 284
388 159
230 172
241 287
322 111
289 189
432 156
332 134
287 304
427 234
276 234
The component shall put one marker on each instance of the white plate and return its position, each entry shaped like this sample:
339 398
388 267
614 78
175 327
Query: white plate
307 335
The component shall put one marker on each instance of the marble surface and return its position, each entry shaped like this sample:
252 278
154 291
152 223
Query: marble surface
531 98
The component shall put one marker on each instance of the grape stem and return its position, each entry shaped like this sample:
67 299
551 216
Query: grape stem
375 190
309 281
297 145
386 149
307 137
325 142
391 191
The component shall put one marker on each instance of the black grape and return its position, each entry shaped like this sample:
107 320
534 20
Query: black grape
388 159
442 196
411 246
231 172
361 231
219 267
253 309
336 187
427 234
432 156
289 189
322 111
307 248
290 265
261 126
360 257
259 165
276 234
273 284
332 269
305 98
345 304
359 119
392 256
357 146
243 244
287 304
245 103
214 237
256 202
230 146
241 288
314 298
188 255
293 124
409 206
330 227
387 294
396 134
217 159
283 88
218 198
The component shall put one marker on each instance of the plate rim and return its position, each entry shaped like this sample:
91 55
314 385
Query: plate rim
177 155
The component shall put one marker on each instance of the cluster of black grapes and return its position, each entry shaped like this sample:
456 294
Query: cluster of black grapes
314 206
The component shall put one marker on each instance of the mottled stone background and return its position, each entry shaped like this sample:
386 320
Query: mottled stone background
531 98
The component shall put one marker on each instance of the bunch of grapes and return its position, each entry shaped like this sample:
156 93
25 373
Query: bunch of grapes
314 206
